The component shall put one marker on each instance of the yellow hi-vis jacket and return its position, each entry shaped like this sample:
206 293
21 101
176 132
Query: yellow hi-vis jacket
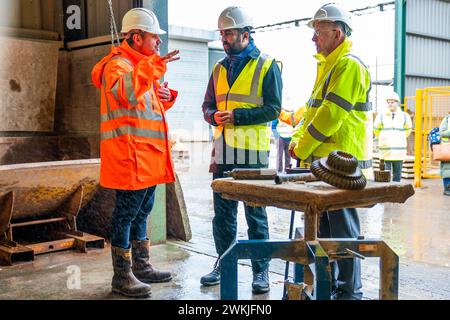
339 115
392 132
246 93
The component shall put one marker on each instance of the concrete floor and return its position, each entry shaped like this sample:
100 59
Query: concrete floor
417 231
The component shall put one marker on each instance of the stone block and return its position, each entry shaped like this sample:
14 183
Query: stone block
28 84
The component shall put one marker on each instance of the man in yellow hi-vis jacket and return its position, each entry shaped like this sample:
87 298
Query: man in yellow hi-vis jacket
339 117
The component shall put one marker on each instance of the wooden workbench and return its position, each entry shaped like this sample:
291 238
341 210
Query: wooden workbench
312 198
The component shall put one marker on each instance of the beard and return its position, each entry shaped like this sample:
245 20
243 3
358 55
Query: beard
231 50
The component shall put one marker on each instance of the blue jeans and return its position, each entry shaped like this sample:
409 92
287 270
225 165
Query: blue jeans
130 215
396 168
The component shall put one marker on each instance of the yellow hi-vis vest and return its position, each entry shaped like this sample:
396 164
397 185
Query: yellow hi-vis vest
339 114
246 93
392 134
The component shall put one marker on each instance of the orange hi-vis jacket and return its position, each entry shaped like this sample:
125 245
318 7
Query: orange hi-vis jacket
135 152
292 118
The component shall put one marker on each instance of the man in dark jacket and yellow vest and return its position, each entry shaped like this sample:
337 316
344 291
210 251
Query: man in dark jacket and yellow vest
243 97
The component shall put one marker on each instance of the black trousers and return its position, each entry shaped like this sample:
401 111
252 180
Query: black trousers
346 273
225 226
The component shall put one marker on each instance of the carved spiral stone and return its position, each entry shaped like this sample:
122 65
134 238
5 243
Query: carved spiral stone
342 161
340 180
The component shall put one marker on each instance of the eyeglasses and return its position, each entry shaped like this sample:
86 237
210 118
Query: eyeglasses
317 33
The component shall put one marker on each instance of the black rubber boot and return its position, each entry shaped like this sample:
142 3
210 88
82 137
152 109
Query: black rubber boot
124 282
142 268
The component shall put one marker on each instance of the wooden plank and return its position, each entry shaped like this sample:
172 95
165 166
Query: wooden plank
49 15
31 14
178 226
101 40
30 34
316 194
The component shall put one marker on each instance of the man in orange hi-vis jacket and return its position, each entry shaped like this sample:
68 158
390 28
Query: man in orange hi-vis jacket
292 118
283 129
135 149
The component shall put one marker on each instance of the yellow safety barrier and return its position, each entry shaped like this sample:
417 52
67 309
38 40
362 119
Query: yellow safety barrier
431 105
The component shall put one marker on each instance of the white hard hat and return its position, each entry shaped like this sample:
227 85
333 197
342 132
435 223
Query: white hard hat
332 12
393 96
141 19
234 18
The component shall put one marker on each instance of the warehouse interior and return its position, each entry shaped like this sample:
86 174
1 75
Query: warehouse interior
55 216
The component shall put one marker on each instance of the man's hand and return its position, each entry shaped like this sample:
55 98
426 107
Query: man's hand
291 151
224 117
171 56
164 93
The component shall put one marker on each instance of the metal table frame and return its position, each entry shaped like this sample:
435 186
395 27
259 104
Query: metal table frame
312 277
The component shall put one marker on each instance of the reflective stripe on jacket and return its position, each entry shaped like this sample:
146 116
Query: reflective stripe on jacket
392 134
339 115
245 93
134 149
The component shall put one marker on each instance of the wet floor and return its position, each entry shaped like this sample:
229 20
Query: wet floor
417 231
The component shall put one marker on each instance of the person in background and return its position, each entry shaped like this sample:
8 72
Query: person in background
282 129
444 131
392 128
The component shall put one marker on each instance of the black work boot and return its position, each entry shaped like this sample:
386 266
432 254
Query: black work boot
124 282
212 278
142 268
260 283
340 294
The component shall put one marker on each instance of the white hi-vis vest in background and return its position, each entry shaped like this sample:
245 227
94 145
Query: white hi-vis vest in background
246 93
392 130
285 130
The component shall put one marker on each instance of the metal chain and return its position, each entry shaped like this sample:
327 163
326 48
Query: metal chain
113 25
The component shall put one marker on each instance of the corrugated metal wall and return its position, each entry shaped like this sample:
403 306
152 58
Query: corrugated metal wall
427 44
190 76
